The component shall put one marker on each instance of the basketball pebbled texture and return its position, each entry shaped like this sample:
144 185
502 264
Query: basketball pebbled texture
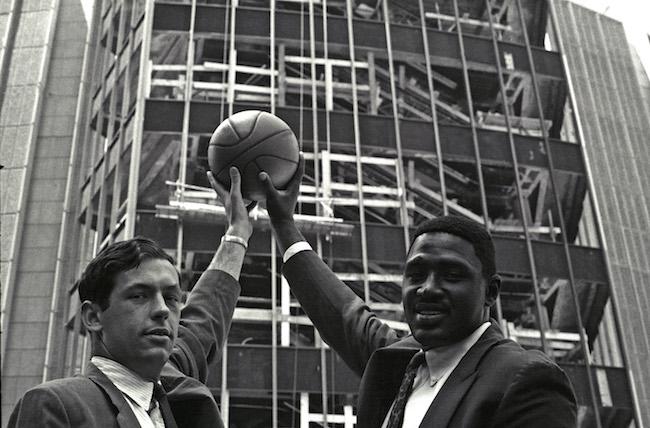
253 141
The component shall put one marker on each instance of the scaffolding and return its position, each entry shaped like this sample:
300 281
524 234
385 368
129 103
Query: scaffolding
405 110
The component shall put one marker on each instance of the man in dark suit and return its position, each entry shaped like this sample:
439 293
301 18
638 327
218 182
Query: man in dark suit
150 355
456 369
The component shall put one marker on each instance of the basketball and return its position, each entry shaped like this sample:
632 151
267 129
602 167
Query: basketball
253 141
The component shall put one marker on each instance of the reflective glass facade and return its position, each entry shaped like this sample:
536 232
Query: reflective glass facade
405 110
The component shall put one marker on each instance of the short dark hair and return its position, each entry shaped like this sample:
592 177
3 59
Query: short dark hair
98 279
471 231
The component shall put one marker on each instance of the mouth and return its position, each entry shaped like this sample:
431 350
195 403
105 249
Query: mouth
430 311
159 332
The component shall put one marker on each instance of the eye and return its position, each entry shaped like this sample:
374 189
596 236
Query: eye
452 275
173 298
416 275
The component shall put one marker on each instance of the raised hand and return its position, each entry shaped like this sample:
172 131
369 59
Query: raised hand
281 204
236 209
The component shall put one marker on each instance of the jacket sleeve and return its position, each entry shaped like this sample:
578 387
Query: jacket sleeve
341 317
539 396
39 407
205 323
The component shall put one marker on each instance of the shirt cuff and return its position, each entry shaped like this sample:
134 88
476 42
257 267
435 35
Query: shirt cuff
294 249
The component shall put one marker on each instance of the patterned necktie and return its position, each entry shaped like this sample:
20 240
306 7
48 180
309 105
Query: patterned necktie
397 413
166 411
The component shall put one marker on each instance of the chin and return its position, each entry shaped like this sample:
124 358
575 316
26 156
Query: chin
158 357
429 339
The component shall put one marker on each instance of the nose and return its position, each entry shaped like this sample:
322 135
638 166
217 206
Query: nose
430 286
159 308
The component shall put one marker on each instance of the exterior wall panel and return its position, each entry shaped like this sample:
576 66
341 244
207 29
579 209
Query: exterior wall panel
614 118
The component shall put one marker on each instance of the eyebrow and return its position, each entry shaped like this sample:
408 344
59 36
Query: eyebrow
148 286
420 260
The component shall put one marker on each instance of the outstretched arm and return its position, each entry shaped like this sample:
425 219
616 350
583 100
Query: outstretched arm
205 320
342 318
230 254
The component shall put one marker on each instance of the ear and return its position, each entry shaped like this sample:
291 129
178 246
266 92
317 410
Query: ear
91 315
492 290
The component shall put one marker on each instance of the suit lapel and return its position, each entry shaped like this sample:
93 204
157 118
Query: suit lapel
381 380
125 416
461 379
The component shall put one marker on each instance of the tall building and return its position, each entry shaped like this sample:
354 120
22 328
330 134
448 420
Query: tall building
525 115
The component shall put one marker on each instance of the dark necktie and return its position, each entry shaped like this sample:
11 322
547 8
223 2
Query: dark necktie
166 411
397 413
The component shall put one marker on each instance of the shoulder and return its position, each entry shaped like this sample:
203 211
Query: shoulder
519 368
67 392
511 357
517 379
65 385
503 362
63 402
529 379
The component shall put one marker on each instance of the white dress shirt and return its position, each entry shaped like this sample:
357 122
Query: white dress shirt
431 377
137 391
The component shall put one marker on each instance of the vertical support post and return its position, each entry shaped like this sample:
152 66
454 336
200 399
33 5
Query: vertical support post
434 112
185 131
282 76
285 307
225 394
314 98
350 419
329 90
304 410
398 137
326 183
274 267
373 92
357 149
138 121
274 331
330 106
470 114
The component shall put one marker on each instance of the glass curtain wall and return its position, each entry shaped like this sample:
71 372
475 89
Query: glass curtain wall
405 110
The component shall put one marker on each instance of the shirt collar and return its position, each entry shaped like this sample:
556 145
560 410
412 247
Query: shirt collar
445 358
128 382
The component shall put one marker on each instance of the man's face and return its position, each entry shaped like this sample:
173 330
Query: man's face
140 324
443 290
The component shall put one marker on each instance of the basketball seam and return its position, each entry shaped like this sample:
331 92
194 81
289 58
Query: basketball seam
234 129
254 161
257 120
234 160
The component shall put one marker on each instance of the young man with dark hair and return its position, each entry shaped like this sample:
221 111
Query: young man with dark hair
456 369
150 353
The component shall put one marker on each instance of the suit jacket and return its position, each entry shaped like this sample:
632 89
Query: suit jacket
496 384
92 400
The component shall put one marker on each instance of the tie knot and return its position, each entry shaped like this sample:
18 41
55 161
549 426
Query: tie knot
158 392
416 361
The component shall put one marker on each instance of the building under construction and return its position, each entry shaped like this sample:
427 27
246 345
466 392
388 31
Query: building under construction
405 110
